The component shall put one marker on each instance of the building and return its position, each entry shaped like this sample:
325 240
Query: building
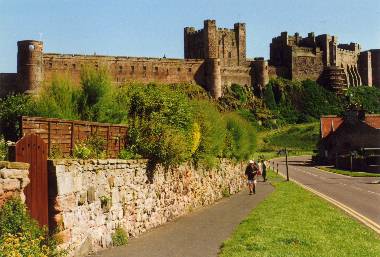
344 139
214 58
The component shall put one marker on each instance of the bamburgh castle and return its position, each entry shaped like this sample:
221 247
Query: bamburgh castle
215 58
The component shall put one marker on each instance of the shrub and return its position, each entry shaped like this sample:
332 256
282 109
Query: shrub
96 93
3 149
366 97
60 99
160 124
93 147
11 108
20 235
212 133
120 237
241 138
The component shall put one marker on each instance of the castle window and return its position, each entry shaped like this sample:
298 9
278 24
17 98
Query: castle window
96 66
155 69
120 68
144 68
65 65
132 68
229 55
189 69
179 69
50 65
74 66
233 43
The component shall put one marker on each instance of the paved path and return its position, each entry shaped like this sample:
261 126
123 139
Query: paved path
198 234
360 194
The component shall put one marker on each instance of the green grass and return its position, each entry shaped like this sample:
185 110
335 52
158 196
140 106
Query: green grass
294 222
297 138
349 173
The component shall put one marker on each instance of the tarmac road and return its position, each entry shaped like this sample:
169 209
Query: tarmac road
361 194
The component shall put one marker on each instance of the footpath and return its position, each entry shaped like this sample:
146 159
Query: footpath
198 234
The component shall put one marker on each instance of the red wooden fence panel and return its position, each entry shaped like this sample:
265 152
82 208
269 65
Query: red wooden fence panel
64 134
33 150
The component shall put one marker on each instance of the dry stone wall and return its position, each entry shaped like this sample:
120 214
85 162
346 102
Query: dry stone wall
13 179
89 199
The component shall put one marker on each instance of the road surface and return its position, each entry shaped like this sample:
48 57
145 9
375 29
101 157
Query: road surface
361 194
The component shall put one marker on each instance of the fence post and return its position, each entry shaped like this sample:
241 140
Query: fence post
72 138
287 167
277 168
49 138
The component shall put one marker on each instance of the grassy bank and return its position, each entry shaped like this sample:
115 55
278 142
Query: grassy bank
299 139
294 222
349 173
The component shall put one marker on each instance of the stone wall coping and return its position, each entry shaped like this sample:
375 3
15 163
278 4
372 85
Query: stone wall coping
14 165
68 162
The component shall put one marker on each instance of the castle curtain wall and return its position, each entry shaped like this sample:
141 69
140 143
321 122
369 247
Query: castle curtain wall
126 69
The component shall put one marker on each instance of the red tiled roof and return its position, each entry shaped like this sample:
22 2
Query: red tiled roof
373 120
331 123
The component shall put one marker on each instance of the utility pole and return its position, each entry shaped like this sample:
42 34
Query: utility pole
287 168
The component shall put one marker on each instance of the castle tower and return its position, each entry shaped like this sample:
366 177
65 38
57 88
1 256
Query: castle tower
365 67
29 65
210 34
241 42
375 55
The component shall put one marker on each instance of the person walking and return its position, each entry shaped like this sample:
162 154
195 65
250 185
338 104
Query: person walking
250 173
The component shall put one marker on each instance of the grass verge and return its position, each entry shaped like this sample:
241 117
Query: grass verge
349 173
294 222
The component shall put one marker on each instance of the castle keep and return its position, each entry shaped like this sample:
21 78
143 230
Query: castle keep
215 58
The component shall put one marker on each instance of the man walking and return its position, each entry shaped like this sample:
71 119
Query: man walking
250 173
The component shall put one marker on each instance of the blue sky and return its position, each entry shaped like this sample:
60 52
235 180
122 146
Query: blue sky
154 28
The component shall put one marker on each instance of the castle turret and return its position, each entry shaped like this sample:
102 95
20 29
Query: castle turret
214 78
29 65
260 72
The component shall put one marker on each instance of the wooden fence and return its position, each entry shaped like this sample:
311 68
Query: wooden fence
64 134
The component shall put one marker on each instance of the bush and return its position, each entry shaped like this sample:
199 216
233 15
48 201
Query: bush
120 237
20 235
160 124
241 138
11 108
93 147
60 99
3 149
365 97
212 133
97 92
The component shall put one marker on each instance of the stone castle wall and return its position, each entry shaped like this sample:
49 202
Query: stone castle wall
89 199
214 58
126 69
13 179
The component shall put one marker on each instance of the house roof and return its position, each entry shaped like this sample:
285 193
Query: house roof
331 123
